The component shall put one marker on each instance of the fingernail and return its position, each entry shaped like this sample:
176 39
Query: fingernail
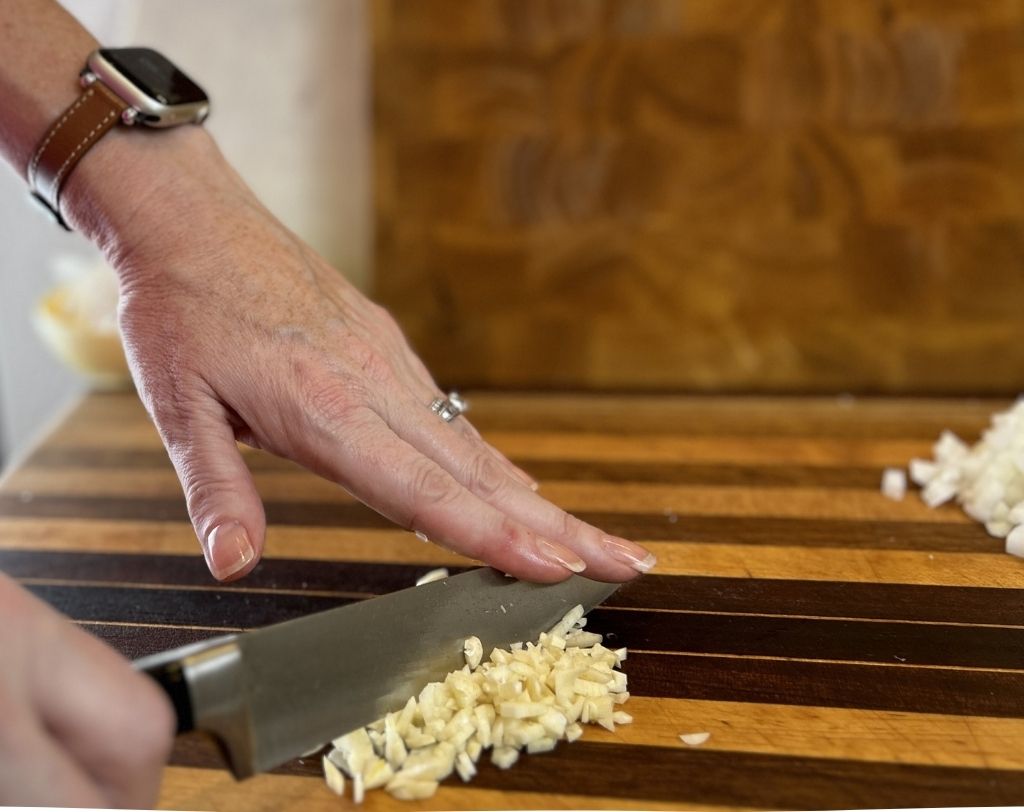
631 554
228 550
562 555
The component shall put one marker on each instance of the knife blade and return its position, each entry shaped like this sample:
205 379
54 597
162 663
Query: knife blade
272 694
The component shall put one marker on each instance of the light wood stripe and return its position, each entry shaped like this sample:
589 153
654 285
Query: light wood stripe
672 501
205 789
396 546
870 735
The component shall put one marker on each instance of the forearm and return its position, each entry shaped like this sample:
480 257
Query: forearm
131 179
43 49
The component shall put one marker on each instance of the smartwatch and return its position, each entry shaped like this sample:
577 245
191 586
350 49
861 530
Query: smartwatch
119 85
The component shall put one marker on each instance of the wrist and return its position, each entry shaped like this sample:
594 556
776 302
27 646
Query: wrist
142 183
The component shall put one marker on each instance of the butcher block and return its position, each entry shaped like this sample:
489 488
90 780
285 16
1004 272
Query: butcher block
843 650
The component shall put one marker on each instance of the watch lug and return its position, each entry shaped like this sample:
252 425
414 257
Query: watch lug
130 116
86 78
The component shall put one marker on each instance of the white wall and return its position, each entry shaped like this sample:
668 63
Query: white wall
289 84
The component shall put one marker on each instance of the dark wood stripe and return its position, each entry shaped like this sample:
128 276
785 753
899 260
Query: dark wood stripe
817 639
340 577
729 778
798 532
135 459
181 608
697 633
906 602
950 604
124 508
134 642
707 474
704 474
677 774
729 679
835 685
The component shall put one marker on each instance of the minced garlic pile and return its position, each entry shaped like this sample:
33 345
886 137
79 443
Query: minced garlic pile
529 697
987 479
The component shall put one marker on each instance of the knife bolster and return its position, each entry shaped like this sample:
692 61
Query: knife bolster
217 687
206 684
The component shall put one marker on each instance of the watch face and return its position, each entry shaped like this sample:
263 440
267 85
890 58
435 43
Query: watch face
155 75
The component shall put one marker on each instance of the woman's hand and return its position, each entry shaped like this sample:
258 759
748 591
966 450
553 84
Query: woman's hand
237 330
80 727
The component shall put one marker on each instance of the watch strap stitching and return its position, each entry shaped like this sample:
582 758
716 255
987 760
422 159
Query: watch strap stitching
37 156
88 139
92 115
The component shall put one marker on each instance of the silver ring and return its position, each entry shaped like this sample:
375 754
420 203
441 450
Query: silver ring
450 407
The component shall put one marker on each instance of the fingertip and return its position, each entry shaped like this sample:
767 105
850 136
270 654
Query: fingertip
229 551
632 555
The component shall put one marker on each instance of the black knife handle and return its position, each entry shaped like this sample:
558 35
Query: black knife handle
170 676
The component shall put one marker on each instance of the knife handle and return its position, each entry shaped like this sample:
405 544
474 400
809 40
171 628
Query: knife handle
170 675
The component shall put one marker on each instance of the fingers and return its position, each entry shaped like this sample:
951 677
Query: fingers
471 464
467 430
80 727
223 503
112 722
366 456
35 771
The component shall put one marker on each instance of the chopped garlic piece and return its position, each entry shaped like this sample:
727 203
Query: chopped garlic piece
694 739
474 651
563 626
504 757
411 790
464 766
434 575
922 471
334 777
377 774
894 484
583 639
353 751
1015 541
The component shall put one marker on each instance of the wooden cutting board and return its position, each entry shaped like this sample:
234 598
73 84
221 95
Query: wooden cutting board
842 650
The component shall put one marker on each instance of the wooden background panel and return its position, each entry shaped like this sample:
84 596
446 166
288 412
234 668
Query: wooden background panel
789 195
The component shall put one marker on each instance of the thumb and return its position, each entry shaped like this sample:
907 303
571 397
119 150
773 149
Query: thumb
225 509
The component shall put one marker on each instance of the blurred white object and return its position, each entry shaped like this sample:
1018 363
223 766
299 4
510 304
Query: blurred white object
894 483
78 321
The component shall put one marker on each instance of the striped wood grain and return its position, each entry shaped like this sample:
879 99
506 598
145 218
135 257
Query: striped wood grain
843 650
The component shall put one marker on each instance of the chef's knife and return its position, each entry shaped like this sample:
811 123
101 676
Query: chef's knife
272 694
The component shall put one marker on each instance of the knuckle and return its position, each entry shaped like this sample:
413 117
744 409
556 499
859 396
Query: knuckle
203 489
431 487
571 526
370 363
485 476
328 399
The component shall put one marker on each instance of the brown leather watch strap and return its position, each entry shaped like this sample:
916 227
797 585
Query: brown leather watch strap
95 112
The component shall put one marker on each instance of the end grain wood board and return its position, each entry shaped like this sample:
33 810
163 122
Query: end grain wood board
842 650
